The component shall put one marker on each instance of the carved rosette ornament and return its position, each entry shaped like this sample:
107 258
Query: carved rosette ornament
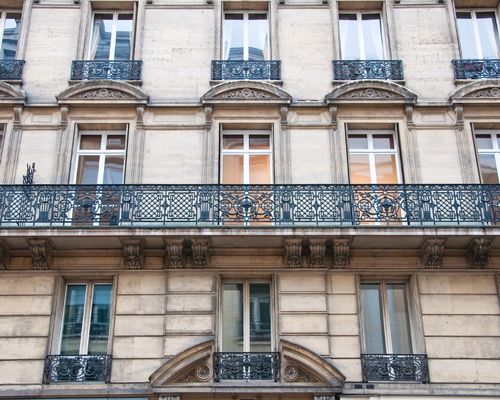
317 249
175 254
293 373
493 92
341 253
201 373
432 253
199 248
133 253
293 252
41 253
478 252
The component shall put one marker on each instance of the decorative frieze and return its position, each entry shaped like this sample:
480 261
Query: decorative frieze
199 247
317 250
293 252
478 252
432 253
341 253
133 253
175 255
41 253
293 373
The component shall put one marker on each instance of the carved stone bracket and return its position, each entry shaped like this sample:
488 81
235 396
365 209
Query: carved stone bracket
140 115
293 252
208 116
41 253
175 255
409 116
459 111
133 253
199 248
333 117
284 117
64 116
4 255
432 253
478 252
341 253
317 249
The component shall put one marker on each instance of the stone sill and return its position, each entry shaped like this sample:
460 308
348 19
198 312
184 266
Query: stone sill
75 82
217 82
337 82
13 81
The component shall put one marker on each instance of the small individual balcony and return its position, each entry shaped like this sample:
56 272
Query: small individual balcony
11 70
81 368
476 69
223 70
353 70
395 368
247 366
129 70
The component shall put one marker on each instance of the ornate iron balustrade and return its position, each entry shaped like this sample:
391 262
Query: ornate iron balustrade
241 205
94 368
476 69
395 367
11 70
114 70
246 366
230 69
353 70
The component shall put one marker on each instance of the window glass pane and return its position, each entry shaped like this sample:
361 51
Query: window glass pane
386 170
466 35
359 168
349 38
483 142
232 317
88 169
73 319
260 317
372 319
260 170
488 166
115 142
113 170
233 37
258 37
372 35
233 170
397 308
259 142
357 142
124 32
232 142
11 32
90 142
101 37
383 142
99 320
487 30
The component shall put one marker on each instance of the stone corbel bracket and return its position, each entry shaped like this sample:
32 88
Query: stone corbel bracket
133 253
478 252
41 253
4 255
432 251
293 252
341 254
199 248
317 250
175 255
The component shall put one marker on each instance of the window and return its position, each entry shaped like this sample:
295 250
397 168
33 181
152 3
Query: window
478 34
10 28
373 157
112 36
488 155
246 36
361 36
246 317
246 157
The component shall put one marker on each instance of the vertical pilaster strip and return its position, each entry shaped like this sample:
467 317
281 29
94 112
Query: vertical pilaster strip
64 148
85 17
13 147
409 147
208 148
464 143
26 21
284 174
139 29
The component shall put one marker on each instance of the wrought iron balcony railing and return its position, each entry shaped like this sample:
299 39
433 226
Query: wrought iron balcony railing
395 367
246 366
95 368
129 70
234 205
352 70
476 69
257 70
11 70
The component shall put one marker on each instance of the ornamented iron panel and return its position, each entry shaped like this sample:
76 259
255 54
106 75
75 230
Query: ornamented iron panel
11 70
476 69
243 205
395 367
230 69
94 368
109 70
352 70
246 366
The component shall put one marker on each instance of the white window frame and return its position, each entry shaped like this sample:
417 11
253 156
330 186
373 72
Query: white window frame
359 24
372 152
246 14
3 18
494 151
246 152
112 45
246 311
477 40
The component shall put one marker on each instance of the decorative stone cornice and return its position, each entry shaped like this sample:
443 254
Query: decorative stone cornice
175 254
371 91
432 251
133 253
293 252
341 253
478 252
317 249
246 92
10 95
41 253
199 248
102 92
479 92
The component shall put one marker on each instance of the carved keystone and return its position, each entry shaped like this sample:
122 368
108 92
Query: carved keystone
341 253
293 252
199 248
175 254
432 253
478 252
317 248
4 255
41 253
133 253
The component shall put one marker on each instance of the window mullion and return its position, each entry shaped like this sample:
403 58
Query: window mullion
245 36
246 316
385 314
477 40
84 340
359 21
112 45
2 25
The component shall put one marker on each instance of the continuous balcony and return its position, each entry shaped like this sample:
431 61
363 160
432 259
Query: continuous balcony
237 70
129 70
82 368
353 70
154 206
246 366
11 70
395 368
476 69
